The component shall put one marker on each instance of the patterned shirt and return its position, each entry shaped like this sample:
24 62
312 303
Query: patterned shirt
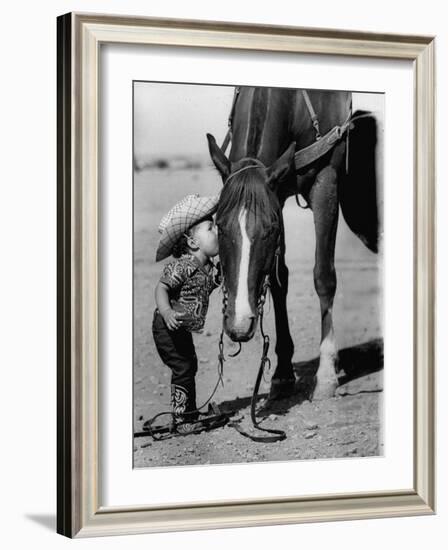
190 285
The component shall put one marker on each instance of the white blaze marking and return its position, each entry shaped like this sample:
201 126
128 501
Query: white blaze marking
242 307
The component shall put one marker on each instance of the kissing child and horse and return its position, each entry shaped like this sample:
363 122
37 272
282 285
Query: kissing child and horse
284 142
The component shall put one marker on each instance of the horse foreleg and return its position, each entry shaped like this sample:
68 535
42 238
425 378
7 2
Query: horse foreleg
324 201
283 381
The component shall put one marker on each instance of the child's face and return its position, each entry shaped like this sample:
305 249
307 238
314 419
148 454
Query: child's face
206 236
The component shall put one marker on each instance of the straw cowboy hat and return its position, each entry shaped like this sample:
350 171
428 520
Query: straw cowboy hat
187 212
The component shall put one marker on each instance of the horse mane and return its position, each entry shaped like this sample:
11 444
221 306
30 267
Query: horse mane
248 189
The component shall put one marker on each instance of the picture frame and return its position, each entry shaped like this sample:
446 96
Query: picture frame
79 510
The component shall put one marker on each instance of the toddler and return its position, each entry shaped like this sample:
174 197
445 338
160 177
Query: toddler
189 234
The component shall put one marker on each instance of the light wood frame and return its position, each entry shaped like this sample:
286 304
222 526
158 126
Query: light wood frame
79 512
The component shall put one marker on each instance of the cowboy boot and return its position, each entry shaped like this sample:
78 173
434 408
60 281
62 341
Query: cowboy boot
183 404
186 419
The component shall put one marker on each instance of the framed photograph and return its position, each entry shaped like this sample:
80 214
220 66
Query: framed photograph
246 262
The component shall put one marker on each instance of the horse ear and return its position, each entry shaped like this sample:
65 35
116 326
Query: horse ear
219 159
281 167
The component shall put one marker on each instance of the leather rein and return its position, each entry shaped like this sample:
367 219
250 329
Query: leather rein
265 362
277 435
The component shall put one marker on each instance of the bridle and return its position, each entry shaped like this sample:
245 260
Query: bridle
278 435
265 362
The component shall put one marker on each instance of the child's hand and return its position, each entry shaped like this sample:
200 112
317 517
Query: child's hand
170 318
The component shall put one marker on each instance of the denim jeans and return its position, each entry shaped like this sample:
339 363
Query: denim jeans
177 351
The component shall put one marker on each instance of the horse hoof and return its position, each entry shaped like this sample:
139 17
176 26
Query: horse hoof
324 391
281 388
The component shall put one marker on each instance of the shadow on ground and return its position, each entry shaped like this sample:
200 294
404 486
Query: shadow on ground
46 520
354 362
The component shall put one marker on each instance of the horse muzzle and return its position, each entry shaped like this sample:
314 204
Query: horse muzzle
240 330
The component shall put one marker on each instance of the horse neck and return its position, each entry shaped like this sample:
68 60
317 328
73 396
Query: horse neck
331 107
260 126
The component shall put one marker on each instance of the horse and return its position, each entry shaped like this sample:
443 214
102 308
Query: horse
268 127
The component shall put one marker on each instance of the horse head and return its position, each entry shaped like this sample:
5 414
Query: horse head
250 232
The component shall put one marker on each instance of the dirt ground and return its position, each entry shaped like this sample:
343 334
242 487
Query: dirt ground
348 425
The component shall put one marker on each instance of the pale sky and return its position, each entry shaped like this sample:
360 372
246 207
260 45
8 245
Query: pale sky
173 119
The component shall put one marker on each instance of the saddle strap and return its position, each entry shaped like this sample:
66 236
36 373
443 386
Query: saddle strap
228 136
319 148
312 112
226 141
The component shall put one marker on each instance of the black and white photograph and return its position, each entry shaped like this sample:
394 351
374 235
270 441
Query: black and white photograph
257 262
224 274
